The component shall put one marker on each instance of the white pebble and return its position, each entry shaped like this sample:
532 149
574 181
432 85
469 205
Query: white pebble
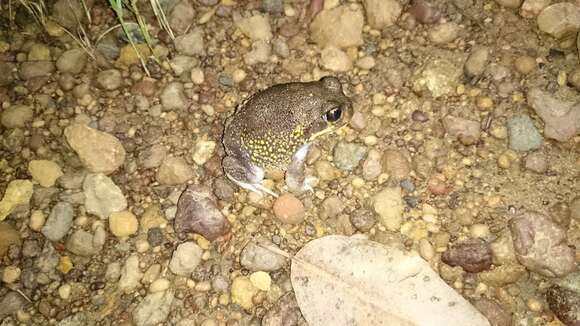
197 76
238 75
11 274
160 284
37 219
142 245
426 249
479 231
64 291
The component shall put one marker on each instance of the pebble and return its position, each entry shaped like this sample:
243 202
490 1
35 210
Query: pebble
548 254
525 64
16 116
440 76
182 63
347 156
536 162
372 166
243 291
424 12
123 224
261 280
44 172
197 76
561 117
152 218
340 27
426 249
363 219
260 53
532 8
477 61
203 151
10 303
159 285
174 171
37 219
512 4
59 221
99 152
191 44
565 304
173 97
181 16
185 259
479 230
559 19
334 59
444 33
110 79
153 156
197 212
288 209
574 77
154 309
130 274
18 192
467 131
366 63
81 243
331 207
523 135
11 274
155 237
388 204
102 196
396 164
33 69
472 255
382 13
72 61
493 311
255 257
255 27
39 52
129 57
6 77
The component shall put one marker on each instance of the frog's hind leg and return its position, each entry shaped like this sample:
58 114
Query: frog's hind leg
296 178
247 177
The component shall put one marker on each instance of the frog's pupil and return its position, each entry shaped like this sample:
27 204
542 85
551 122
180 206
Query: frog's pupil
333 115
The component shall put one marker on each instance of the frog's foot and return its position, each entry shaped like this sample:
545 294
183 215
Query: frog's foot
247 177
296 179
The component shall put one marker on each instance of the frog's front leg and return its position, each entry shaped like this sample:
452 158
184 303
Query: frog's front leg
296 178
247 176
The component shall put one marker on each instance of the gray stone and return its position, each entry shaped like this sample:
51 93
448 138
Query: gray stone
32 69
347 156
523 135
154 309
102 196
59 221
72 61
11 303
16 116
256 257
185 259
190 43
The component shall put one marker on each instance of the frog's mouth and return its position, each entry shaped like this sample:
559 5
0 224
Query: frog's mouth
331 128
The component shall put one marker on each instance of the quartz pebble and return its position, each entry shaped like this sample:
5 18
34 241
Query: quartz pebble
18 192
185 258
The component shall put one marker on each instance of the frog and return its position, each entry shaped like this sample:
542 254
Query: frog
274 129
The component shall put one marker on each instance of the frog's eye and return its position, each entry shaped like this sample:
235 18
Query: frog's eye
333 115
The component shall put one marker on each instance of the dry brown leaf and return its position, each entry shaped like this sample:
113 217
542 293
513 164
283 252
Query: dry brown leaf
341 280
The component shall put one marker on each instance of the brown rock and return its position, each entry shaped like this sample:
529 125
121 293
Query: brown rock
472 255
8 237
395 163
289 209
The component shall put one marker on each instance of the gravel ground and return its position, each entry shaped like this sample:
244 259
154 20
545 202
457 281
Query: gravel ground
464 147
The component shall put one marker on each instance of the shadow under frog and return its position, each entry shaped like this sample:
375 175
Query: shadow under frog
274 129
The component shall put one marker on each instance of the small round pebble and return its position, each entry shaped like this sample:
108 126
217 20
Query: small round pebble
289 209
525 64
160 284
37 219
261 280
123 224
363 219
11 274
479 231
64 291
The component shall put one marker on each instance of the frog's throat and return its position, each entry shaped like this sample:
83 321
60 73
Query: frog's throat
325 131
